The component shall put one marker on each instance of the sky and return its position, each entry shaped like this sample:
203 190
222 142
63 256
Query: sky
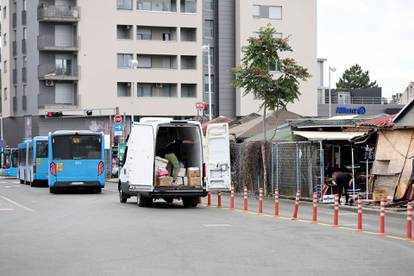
377 34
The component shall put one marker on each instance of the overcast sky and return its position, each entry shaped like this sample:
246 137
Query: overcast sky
377 34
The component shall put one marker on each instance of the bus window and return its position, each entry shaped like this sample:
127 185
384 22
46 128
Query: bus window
22 157
30 159
6 160
77 147
41 149
14 159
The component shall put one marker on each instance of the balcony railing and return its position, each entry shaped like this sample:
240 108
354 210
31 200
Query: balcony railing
48 43
57 13
335 99
52 72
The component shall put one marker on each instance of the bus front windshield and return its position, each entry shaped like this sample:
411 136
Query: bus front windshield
14 159
76 147
41 149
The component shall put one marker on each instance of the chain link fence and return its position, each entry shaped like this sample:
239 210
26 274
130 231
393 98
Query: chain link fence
290 167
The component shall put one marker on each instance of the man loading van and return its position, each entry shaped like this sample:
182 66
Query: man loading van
172 153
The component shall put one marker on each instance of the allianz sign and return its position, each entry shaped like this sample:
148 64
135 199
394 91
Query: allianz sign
351 110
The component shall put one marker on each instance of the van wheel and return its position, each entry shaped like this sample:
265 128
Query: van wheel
21 181
122 197
144 201
98 190
190 202
53 190
33 184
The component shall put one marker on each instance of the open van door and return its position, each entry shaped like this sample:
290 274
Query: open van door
218 169
140 158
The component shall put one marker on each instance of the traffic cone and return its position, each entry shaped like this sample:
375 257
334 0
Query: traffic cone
260 201
276 202
359 214
409 221
315 208
336 210
382 218
232 198
246 204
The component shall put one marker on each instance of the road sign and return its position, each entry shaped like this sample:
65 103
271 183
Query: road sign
201 106
118 127
118 119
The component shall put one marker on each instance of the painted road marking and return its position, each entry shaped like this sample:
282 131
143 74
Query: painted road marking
217 225
17 204
6 209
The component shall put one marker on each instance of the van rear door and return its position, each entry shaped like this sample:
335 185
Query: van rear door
218 174
140 157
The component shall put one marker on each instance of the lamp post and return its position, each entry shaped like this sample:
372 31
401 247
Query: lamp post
331 70
206 49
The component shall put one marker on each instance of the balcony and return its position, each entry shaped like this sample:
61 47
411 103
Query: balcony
48 43
53 72
52 13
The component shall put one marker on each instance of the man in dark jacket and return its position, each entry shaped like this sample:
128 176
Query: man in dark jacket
343 181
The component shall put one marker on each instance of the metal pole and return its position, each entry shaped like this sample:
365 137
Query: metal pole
297 169
330 95
277 166
322 168
353 172
367 180
210 112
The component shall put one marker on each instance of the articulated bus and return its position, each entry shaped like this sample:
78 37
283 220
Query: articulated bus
10 162
33 160
76 159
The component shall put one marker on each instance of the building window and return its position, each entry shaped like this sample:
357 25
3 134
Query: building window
144 90
206 83
256 10
157 5
188 90
24 33
144 34
124 4
25 61
275 12
209 28
189 6
124 60
4 12
144 62
209 4
124 89
24 5
5 67
211 57
5 39
5 93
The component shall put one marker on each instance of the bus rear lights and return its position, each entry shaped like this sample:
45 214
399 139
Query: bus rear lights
100 168
59 167
53 169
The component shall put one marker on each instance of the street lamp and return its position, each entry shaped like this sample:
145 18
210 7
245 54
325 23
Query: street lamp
333 70
206 49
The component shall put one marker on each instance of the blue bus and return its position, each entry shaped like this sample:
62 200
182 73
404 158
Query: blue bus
23 171
10 162
76 159
33 160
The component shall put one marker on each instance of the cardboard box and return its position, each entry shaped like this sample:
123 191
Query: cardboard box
182 172
194 181
193 172
179 181
160 163
163 181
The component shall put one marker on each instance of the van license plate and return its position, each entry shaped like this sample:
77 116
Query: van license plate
78 183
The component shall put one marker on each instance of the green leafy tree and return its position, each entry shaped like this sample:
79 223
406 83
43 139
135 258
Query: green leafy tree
256 75
355 78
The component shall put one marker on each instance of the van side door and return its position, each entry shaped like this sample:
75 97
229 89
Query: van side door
218 167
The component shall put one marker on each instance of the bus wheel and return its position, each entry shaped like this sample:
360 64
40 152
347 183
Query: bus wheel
190 202
122 197
33 184
98 190
53 190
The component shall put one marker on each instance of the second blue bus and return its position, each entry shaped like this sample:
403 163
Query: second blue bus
76 159
33 161
10 162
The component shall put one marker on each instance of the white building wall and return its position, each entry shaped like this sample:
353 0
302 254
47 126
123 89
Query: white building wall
299 22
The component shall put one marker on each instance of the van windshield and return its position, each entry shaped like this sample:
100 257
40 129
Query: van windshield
76 147
41 149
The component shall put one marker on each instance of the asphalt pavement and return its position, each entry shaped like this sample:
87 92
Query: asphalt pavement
80 233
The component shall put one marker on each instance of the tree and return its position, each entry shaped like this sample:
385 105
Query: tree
355 78
275 89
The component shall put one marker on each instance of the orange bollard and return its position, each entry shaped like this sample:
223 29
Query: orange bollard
246 204
260 201
295 211
409 221
276 202
336 210
232 198
382 218
359 214
219 200
209 199
315 208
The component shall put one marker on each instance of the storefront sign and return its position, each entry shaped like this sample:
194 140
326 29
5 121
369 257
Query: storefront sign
351 110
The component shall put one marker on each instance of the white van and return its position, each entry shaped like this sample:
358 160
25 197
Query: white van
210 156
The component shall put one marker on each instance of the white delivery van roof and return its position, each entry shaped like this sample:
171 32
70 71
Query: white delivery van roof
159 121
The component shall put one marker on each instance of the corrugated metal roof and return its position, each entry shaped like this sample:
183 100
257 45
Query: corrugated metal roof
329 135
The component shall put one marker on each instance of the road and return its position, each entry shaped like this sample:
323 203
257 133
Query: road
93 234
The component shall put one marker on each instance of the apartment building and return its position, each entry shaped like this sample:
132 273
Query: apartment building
227 26
85 59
